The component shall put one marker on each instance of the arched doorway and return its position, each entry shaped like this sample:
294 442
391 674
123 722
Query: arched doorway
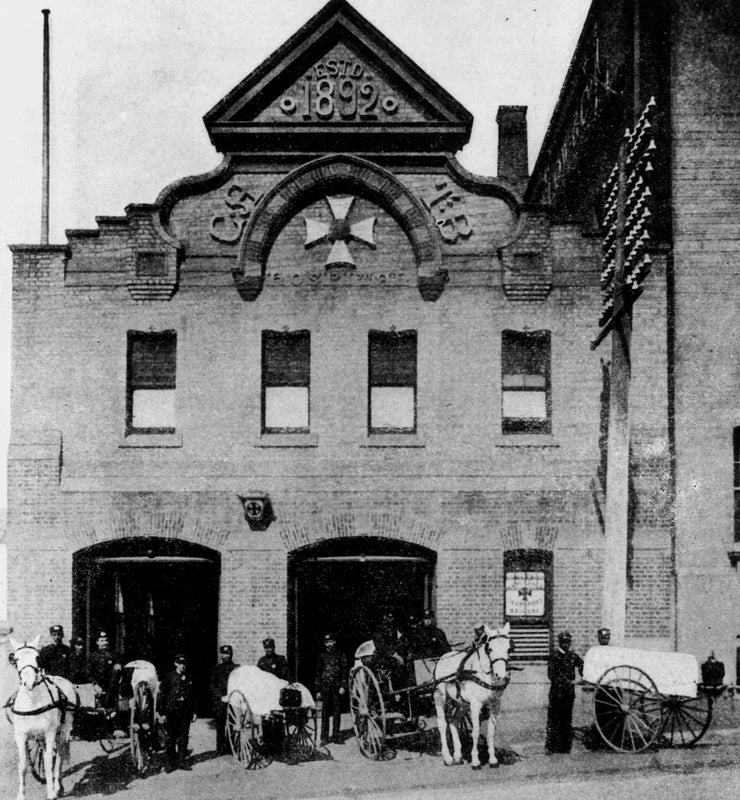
341 584
155 597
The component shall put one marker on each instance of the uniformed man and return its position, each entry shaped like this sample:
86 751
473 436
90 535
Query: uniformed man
54 657
105 670
561 670
177 705
431 641
330 685
79 663
271 662
219 685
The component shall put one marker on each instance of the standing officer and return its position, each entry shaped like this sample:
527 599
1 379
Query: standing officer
219 685
105 670
561 670
177 704
331 677
271 662
54 658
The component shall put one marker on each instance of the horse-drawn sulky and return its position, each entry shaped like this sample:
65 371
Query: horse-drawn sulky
45 708
643 698
460 684
266 715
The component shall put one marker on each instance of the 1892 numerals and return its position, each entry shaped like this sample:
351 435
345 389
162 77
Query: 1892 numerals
344 97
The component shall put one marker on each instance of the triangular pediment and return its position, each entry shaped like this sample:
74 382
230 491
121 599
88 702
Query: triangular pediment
338 85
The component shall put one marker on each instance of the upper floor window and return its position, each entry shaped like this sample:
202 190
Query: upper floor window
736 480
150 382
392 382
525 382
286 380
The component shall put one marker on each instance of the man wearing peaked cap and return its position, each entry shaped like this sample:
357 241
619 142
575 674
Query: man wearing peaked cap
79 663
54 658
219 686
271 662
176 701
561 670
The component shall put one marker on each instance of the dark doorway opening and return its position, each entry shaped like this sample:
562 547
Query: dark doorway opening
155 598
342 584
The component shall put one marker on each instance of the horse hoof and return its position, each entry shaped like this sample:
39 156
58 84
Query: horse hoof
449 762
476 766
494 766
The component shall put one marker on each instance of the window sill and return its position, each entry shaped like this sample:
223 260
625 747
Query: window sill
287 440
393 440
151 440
526 440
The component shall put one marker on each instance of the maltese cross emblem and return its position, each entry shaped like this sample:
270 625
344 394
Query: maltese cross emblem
339 232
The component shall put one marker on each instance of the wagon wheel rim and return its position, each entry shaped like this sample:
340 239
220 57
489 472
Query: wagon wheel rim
243 733
627 709
137 736
35 750
368 712
300 734
685 719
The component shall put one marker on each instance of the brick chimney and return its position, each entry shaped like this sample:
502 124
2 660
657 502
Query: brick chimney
512 144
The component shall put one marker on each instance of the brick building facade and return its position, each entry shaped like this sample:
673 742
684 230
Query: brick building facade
378 358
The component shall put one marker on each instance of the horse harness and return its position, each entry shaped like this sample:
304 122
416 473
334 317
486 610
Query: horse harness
463 674
60 702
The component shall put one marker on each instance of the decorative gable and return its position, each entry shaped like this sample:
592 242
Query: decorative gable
338 85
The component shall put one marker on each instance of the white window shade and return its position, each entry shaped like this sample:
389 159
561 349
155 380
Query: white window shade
286 408
392 408
525 405
153 408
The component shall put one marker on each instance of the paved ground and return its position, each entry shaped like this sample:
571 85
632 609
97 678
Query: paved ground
339 771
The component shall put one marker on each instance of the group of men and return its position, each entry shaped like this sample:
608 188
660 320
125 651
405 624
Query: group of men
103 668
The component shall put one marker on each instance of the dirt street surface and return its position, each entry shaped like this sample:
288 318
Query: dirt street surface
340 771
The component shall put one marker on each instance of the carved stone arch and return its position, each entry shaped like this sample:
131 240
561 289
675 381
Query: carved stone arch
338 173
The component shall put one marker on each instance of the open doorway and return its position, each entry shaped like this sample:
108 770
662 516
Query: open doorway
155 598
342 584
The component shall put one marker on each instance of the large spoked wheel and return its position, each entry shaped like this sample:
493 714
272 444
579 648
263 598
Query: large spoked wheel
299 743
141 726
35 749
685 719
243 733
627 709
368 712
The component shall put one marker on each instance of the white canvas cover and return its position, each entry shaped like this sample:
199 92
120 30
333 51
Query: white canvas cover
672 673
262 689
143 671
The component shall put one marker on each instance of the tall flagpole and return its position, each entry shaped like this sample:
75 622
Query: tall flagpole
45 138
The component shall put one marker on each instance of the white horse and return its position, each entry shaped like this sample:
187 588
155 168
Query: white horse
475 678
42 708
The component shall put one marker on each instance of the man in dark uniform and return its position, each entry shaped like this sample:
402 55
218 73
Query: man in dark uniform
79 663
390 649
273 663
105 669
177 704
561 670
431 641
219 685
54 658
331 680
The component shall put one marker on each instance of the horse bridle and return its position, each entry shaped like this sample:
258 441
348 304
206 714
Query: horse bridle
492 661
38 677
